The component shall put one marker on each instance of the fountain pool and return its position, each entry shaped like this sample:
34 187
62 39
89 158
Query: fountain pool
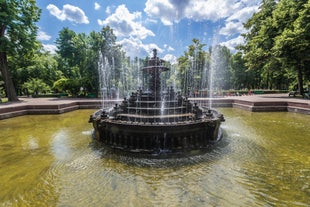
51 160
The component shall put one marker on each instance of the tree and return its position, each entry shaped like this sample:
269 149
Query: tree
259 41
292 45
41 65
66 51
278 42
17 35
241 77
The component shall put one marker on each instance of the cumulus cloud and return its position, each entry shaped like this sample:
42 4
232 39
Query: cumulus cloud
43 36
232 43
174 10
68 12
233 12
50 48
243 14
232 28
170 58
97 6
126 24
134 47
168 48
198 10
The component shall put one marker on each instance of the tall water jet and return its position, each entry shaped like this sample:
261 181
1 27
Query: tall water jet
104 76
157 122
214 70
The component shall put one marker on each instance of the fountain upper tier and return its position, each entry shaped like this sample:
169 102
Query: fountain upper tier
152 71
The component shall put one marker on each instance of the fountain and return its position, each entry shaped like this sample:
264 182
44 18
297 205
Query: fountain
155 121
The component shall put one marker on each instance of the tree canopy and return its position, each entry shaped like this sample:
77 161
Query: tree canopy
17 36
277 43
275 55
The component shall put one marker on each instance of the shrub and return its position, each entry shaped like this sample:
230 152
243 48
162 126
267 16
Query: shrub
36 86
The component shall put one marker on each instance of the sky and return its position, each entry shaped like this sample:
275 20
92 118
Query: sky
142 25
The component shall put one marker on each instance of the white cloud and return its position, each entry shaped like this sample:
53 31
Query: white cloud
234 23
232 28
97 6
126 24
170 58
234 12
108 10
43 36
50 48
134 47
243 14
198 10
232 43
68 12
168 48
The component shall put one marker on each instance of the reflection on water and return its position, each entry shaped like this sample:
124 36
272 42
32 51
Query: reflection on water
50 160
60 145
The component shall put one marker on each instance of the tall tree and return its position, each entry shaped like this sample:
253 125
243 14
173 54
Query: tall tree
259 41
66 51
241 77
17 35
292 45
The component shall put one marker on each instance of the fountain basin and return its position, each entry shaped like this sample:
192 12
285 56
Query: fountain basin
156 137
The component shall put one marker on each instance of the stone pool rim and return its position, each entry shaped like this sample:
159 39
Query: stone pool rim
252 103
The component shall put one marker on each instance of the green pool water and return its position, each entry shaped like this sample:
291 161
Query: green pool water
51 160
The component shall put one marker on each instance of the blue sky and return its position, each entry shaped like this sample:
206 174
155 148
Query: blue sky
141 25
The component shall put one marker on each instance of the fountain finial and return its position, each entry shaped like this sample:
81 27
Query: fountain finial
154 53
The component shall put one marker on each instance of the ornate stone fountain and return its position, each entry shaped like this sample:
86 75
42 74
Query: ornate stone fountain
155 122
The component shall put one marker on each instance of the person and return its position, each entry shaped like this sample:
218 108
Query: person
250 92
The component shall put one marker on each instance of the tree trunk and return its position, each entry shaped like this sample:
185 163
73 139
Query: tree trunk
8 83
300 79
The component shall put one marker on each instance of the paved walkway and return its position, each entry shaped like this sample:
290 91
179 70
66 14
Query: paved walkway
255 103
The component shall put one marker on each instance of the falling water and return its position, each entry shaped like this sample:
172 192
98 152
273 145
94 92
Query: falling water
104 70
215 62
211 78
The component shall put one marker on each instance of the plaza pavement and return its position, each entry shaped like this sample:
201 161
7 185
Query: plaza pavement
253 103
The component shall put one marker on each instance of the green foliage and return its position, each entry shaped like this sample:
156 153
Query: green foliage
17 22
40 65
275 54
78 56
71 86
241 77
36 86
259 41
277 43
17 36
60 85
